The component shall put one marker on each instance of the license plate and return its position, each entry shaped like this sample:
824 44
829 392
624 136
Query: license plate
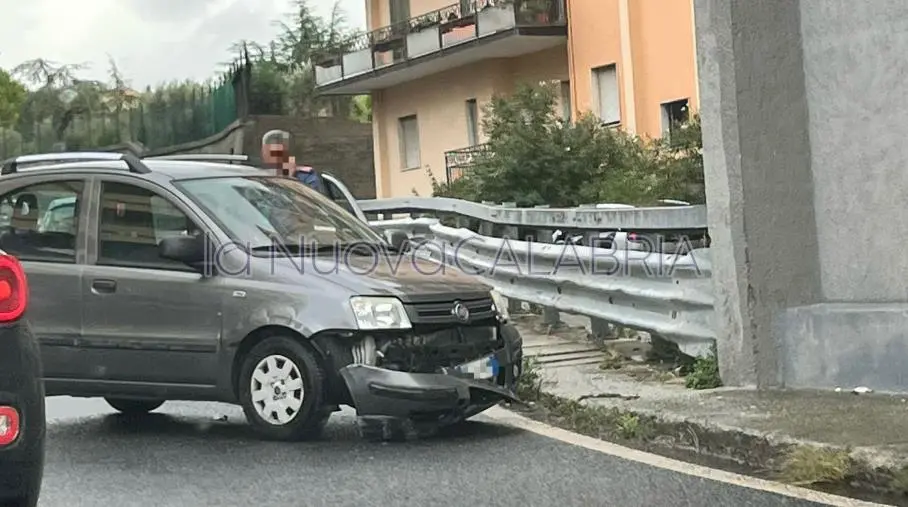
482 369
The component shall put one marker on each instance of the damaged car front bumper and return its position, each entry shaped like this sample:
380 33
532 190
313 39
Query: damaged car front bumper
451 394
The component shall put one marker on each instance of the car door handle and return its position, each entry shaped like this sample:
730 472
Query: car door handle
103 286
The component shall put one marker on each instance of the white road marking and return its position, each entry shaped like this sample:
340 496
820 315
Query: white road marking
509 418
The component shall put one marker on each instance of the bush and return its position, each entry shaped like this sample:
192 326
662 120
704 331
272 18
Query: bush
535 157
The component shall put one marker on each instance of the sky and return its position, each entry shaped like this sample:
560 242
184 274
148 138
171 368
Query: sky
151 41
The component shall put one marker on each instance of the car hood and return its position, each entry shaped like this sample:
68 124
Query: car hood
409 278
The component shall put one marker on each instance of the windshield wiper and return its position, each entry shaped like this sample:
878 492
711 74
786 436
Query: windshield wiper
278 246
277 243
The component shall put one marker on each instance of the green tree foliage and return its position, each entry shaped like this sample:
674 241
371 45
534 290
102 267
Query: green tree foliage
534 157
283 76
12 95
60 106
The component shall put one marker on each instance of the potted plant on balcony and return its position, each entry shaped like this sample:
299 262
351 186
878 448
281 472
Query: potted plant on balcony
536 11
423 22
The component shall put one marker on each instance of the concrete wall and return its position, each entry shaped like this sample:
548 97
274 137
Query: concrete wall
802 119
230 140
338 145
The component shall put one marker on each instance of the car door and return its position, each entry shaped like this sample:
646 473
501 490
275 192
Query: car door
150 320
49 241
341 195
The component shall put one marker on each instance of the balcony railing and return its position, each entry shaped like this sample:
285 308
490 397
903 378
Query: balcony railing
459 161
434 31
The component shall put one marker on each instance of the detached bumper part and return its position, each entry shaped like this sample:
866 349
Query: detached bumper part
388 393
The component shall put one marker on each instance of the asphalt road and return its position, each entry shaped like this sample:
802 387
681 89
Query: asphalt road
182 456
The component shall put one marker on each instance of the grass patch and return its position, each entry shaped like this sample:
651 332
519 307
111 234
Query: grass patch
529 385
704 373
806 466
899 482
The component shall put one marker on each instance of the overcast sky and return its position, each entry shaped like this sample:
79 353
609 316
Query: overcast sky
151 40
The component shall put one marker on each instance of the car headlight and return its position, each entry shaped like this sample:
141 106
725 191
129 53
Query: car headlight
500 304
374 313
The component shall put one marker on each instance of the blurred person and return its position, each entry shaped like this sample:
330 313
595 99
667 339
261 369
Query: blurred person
276 155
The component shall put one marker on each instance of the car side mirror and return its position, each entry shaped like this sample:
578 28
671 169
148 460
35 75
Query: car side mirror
189 250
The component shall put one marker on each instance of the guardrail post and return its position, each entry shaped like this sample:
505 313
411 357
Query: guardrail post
550 316
602 330
486 228
515 305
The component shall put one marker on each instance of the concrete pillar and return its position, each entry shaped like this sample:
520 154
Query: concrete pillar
803 123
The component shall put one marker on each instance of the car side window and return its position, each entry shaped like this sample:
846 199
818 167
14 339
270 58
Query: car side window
40 222
133 222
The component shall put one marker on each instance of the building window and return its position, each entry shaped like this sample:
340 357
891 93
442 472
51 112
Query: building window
399 10
605 84
408 133
566 107
673 114
472 122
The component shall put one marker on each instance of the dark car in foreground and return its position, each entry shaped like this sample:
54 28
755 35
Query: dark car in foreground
22 425
177 280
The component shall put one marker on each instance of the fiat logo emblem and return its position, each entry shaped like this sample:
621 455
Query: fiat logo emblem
461 312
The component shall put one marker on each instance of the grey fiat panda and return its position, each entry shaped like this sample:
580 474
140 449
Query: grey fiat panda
183 280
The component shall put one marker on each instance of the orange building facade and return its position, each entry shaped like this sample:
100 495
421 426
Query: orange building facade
431 66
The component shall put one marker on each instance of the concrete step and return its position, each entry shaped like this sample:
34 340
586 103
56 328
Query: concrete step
573 355
594 356
574 362
557 348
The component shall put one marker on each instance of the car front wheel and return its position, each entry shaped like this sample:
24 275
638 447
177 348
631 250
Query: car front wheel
134 407
282 390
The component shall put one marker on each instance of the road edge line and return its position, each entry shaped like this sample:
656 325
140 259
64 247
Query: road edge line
513 419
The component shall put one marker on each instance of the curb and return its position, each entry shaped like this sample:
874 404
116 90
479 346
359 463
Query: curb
517 420
766 454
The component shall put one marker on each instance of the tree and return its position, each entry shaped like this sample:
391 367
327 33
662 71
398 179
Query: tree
283 69
361 108
534 157
12 96
55 93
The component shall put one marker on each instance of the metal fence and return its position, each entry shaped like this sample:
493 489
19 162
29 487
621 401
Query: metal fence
636 284
164 118
97 118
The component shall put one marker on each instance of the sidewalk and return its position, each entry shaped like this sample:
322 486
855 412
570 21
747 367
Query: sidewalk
829 440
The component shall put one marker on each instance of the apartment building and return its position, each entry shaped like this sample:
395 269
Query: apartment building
432 65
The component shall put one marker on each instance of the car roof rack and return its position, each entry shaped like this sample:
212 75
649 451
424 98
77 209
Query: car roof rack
135 165
204 157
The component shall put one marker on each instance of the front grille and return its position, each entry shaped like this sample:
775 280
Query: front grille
440 313
427 351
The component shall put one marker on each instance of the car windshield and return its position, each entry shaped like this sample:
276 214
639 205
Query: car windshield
260 211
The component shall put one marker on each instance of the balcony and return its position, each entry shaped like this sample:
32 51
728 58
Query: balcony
456 35
459 161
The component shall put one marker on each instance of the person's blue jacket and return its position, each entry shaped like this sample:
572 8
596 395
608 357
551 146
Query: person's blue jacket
311 178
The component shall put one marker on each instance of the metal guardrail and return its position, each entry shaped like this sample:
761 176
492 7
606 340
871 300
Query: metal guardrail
666 294
639 219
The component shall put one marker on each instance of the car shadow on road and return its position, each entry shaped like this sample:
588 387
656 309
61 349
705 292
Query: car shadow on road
163 426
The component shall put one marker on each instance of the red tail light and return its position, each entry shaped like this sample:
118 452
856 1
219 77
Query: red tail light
632 236
13 289
9 425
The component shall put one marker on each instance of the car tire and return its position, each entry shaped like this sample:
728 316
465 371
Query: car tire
129 406
282 390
